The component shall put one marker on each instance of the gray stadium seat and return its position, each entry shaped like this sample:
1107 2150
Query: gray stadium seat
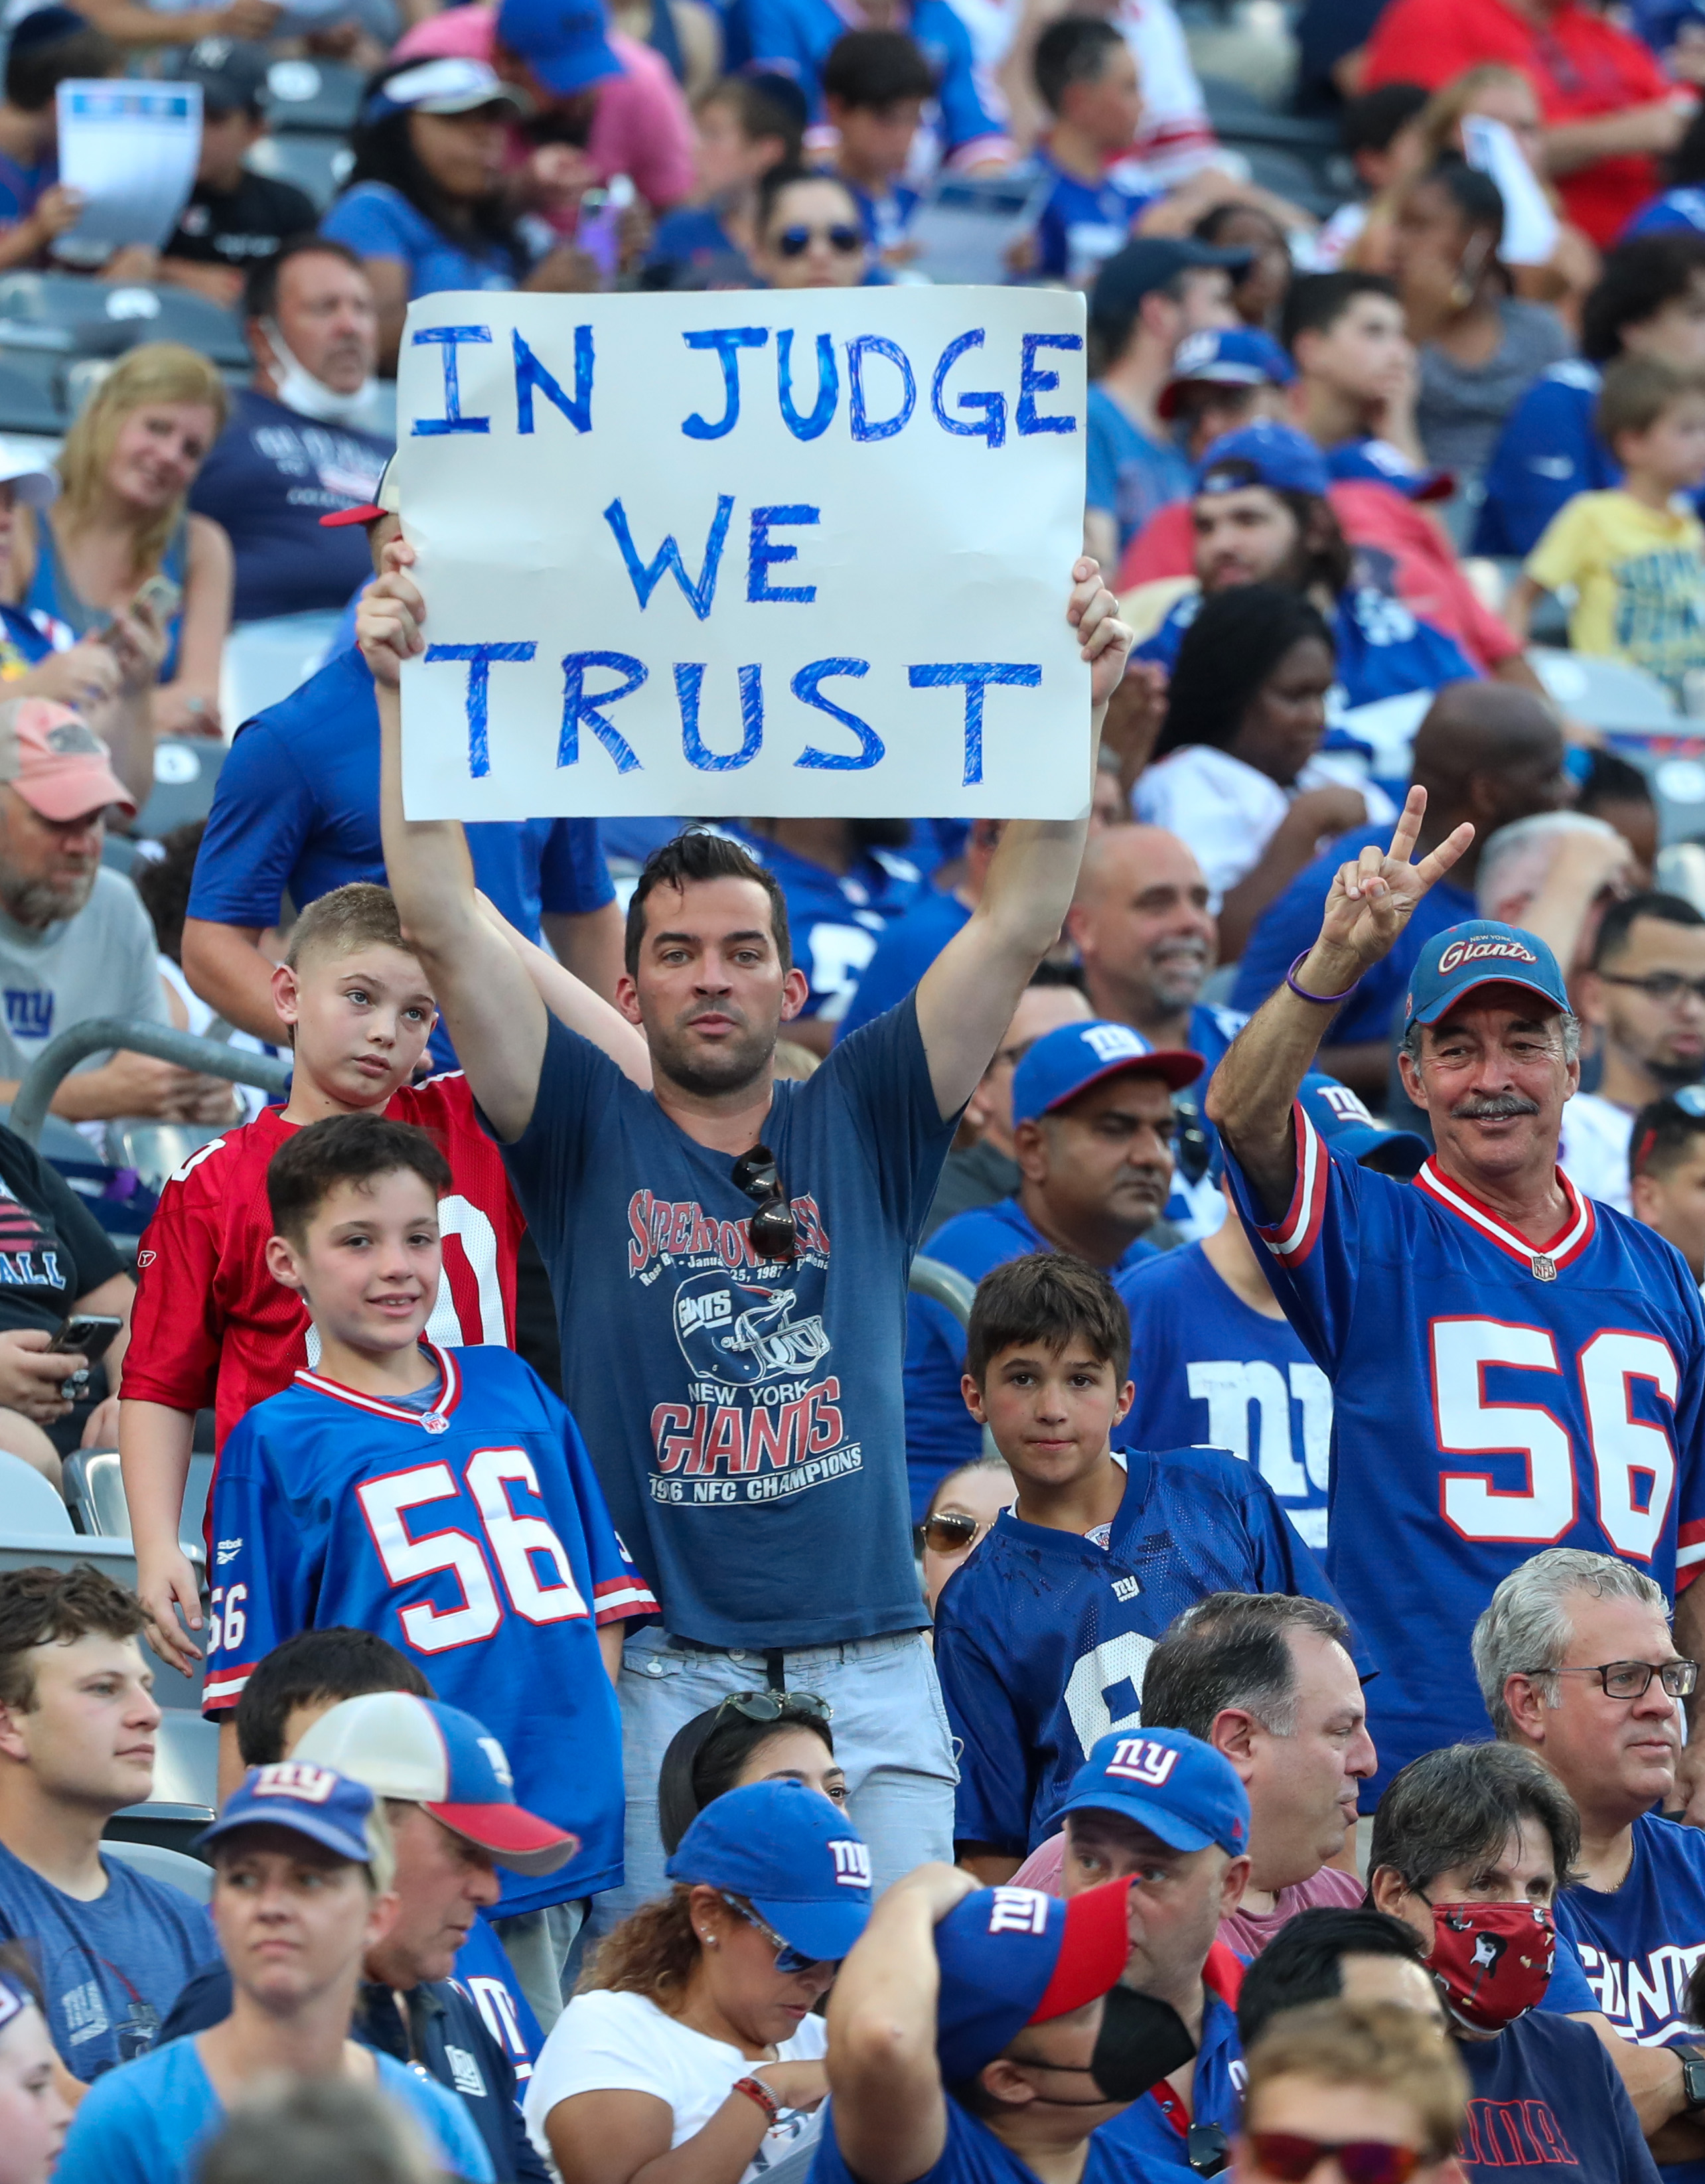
318 95
95 1491
32 400
80 317
186 1791
188 1873
317 161
1607 693
266 660
186 771
28 1502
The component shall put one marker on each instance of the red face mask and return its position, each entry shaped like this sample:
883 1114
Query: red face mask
1492 1961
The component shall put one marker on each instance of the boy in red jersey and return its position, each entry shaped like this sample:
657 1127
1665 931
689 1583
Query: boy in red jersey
210 1326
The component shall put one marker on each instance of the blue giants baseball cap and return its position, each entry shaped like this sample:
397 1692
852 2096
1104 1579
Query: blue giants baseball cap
797 1859
562 41
308 1799
1479 952
1264 453
1012 1956
1069 1060
1225 356
1377 462
1170 1783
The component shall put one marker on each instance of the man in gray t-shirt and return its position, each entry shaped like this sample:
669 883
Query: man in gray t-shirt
75 939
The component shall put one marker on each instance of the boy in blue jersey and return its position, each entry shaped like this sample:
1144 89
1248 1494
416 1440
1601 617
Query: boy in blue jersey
1042 1637
978 2036
876 84
1087 76
442 1497
1610 1735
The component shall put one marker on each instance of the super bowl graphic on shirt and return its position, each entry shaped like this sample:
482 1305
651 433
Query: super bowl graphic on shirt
759 1415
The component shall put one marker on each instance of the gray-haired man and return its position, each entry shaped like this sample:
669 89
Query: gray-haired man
1577 1665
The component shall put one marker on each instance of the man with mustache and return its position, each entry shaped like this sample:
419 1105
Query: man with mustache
1514 1365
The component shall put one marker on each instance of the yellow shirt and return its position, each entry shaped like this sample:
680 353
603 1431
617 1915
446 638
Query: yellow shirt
1639 576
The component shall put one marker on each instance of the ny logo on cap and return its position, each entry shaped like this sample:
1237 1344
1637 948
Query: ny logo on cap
1346 1105
1114 1042
1192 350
1139 1759
296 1778
499 1759
1018 1911
852 1864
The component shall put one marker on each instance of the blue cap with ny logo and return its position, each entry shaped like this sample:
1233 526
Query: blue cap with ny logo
795 1857
1065 1062
1170 1783
1479 952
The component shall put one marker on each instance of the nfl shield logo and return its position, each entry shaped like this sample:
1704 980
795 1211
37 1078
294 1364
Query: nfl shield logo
1545 1269
435 1422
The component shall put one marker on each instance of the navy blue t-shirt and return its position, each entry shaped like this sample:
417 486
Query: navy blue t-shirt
1292 923
904 952
110 1969
1548 452
269 478
1544 2095
744 1416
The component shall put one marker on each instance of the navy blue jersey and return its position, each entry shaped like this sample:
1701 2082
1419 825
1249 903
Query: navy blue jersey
1489 1399
1680 211
1548 452
474 1536
1150 2138
906 951
940 1433
1083 224
1042 1637
1209 1369
835 919
1544 2095
972 2155
1383 651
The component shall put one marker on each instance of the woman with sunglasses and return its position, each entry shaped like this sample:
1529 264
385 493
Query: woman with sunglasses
752 1736
1345 2093
691 2055
962 1509
811 233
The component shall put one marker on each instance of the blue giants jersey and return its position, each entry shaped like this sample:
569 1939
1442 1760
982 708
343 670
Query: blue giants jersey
474 1536
1489 1400
1383 650
1042 1637
1151 2139
1208 1368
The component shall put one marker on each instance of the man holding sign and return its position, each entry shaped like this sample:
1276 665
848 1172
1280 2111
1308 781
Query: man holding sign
729 1255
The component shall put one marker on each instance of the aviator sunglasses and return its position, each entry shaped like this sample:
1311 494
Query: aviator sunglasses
795 242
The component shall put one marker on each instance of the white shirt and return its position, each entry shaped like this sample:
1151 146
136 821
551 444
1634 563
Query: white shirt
1592 1151
605 2042
1228 811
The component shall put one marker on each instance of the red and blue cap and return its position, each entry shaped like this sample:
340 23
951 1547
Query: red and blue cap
796 1859
330 1809
1069 1060
1341 1116
1479 952
1263 453
1377 462
1170 1783
1225 356
1012 1956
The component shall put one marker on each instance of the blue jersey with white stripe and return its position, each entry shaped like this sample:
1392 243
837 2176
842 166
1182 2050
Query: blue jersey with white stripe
1209 1369
1042 1637
1490 1399
1383 651
474 1536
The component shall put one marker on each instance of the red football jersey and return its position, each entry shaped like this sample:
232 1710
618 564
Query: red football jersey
210 1326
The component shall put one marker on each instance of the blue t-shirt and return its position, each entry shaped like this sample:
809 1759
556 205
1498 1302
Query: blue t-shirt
22 644
794 37
1292 923
972 2155
1209 1369
110 1969
1042 1637
149 2124
1127 473
22 188
908 947
692 236
1083 224
295 811
1488 1399
745 1415
1383 650
940 1433
1544 2095
1548 452
1679 210
1150 2139
374 220
268 479
472 1535
836 918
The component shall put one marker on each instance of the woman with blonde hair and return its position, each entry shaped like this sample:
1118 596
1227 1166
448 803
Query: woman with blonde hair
121 522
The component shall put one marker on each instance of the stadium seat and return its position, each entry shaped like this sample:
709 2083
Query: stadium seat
95 1491
266 660
32 398
185 1792
1607 693
323 96
155 1150
28 1502
186 770
188 1873
318 162
80 317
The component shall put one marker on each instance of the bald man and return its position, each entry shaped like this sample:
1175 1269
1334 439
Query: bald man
1486 752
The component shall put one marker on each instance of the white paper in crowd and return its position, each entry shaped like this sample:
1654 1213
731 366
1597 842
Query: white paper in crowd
787 552
1530 227
131 148
965 226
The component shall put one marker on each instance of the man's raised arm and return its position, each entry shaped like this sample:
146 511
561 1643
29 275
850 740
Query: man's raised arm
490 1006
1370 902
967 997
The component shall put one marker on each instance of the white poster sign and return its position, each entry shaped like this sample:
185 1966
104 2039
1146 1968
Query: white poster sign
743 555
129 149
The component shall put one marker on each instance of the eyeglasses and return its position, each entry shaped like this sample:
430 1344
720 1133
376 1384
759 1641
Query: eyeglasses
1208 2149
795 242
1293 2159
1659 985
788 1958
1632 1680
771 1705
774 1232
951 1531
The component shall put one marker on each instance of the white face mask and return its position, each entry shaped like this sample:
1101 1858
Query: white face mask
298 389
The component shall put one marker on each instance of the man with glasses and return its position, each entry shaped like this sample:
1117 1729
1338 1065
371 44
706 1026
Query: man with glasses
1645 995
1577 1665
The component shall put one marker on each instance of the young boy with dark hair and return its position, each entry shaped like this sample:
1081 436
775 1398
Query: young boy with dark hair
876 84
1666 1172
441 1496
46 48
1086 76
1043 1634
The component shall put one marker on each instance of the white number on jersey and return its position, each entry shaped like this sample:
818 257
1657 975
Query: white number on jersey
512 1540
840 954
1230 1386
1632 1463
1120 1660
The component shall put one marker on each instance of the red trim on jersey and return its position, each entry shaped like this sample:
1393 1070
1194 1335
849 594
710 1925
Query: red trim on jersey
1570 1240
1690 1551
1292 1240
225 1689
620 1598
447 1396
